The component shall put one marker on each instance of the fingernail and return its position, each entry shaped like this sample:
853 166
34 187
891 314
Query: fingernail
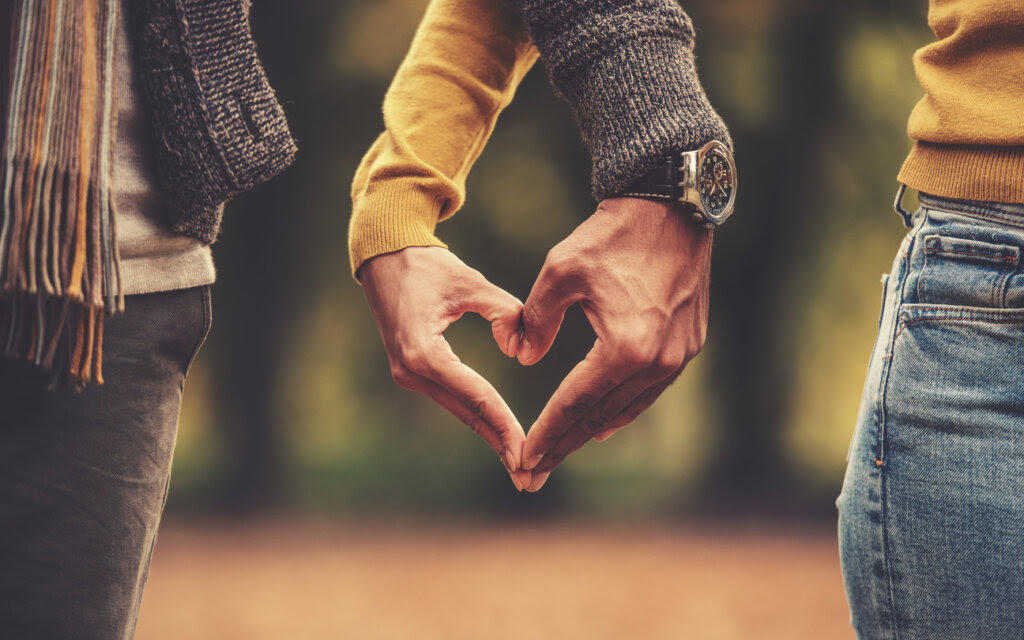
524 477
604 435
515 481
525 350
533 461
538 481
513 345
510 458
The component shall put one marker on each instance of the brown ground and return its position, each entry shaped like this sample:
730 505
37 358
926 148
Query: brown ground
410 581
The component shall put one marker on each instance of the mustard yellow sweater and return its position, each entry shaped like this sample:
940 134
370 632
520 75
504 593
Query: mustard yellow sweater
969 127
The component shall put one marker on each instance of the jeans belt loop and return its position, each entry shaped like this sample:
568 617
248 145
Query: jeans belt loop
898 206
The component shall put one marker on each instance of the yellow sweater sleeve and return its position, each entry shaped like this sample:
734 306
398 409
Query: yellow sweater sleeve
463 67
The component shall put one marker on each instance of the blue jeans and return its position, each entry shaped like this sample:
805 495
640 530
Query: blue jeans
931 515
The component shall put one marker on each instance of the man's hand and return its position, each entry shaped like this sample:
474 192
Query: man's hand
415 294
640 270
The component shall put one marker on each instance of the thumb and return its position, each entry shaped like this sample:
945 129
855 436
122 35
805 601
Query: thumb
500 308
552 294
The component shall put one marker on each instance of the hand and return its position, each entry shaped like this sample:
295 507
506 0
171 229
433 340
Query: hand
640 270
415 294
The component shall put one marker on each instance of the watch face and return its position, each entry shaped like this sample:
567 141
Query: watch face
716 181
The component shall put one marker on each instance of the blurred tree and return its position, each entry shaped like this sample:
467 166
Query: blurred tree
263 279
781 198
778 164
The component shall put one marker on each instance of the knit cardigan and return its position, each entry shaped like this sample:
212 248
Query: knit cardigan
219 127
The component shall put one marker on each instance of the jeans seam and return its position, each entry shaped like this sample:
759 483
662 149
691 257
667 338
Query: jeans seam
894 332
971 311
906 323
999 287
882 424
882 485
922 284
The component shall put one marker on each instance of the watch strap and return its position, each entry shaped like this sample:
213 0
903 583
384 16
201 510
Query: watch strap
660 184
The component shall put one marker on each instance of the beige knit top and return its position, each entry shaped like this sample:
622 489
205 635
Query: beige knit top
152 257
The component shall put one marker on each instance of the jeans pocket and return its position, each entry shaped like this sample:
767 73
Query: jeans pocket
955 360
965 272
207 324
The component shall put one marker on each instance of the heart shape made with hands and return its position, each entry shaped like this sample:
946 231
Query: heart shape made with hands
640 270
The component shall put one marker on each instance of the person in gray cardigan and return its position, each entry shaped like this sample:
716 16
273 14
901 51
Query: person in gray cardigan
84 476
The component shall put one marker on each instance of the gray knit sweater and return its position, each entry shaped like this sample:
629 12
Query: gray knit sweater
627 69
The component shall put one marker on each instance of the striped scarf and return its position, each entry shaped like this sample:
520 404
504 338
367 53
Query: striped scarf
59 267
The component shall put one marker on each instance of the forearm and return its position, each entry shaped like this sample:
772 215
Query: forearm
627 69
462 69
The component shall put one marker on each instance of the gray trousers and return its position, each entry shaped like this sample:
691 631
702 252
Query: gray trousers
83 477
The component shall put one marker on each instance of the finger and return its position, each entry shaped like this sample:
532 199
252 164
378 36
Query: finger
613 407
476 395
629 414
508 453
557 288
597 419
604 435
585 386
454 406
502 309
538 481
641 404
521 479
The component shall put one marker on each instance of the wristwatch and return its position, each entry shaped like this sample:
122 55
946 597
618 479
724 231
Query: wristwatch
705 179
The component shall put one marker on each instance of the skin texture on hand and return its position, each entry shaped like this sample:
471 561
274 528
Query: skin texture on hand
415 294
640 270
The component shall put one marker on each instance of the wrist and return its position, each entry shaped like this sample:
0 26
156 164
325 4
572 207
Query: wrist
390 218
660 225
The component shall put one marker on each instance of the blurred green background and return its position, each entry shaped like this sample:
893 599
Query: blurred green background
291 406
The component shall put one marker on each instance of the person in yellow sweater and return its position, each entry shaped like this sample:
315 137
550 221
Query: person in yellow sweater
931 515
639 264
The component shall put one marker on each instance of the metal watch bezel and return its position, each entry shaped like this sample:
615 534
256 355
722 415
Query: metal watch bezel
689 169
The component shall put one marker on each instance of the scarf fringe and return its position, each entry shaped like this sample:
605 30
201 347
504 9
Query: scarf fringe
59 264
56 335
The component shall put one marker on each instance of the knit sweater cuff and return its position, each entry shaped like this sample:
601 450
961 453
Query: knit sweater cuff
627 69
966 172
390 216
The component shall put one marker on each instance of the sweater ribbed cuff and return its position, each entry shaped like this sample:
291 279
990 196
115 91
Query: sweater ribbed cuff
636 106
966 172
390 216
627 69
